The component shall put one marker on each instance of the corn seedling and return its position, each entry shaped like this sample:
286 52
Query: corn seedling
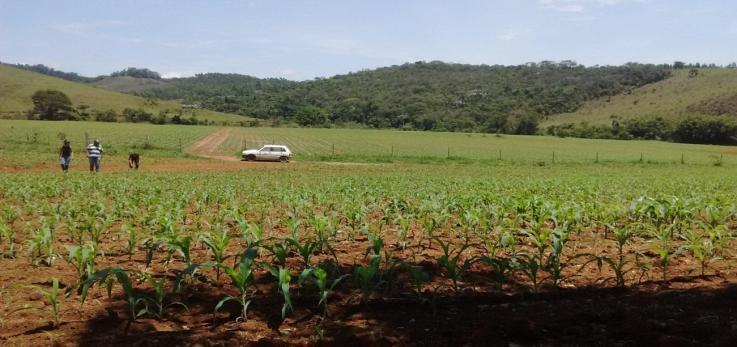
41 245
702 246
217 243
618 264
7 237
53 299
82 258
451 261
305 247
158 301
283 281
131 243
137 305
242 278
325 287
663 246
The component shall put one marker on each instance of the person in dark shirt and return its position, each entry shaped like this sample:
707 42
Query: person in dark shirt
65 156
133 160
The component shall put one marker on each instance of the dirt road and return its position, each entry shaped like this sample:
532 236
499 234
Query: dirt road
206 147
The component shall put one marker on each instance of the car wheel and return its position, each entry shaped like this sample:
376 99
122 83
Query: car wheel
250 157
284 159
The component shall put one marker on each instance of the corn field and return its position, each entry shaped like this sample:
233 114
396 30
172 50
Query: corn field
234 248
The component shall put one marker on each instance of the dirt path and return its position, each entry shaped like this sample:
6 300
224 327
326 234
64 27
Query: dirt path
206 147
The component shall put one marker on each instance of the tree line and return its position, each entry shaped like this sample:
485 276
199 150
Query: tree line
717 130
419 96
55 105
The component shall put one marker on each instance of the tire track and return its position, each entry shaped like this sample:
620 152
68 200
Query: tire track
206 147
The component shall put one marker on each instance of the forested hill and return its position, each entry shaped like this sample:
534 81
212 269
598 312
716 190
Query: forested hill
422 95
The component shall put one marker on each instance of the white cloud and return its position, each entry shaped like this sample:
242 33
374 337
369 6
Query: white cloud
578 6
176 74
509 35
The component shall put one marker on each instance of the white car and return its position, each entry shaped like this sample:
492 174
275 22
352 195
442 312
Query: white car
268 152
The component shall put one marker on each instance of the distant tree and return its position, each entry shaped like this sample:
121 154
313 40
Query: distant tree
82 111
51 105
310 116
137 72
679 65
136 115
106 116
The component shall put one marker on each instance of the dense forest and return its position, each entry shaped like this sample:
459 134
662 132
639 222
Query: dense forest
421 95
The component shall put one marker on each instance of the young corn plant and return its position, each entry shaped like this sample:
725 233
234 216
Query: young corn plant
181 245
283 281
702 246
53 299
404 222
279 252
242 278
251 233
325 287
305 247
82 258
452 261
131 239
618 264
663 246
159 301
368 277
217 243
7 237
41 245
137 305
555 264
419 278
151 245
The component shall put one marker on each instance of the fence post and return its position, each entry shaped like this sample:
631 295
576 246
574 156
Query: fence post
553 157
333 150
641 157
180 145
392 155
682 159
448 153
500 154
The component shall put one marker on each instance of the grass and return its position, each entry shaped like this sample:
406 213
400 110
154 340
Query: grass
25 142
389 145
668 99
17 86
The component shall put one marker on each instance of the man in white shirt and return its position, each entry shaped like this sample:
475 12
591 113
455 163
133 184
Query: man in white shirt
94 153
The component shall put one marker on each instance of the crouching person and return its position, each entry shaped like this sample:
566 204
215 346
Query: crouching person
133 160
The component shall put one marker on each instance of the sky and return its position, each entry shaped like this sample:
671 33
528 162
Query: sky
307 39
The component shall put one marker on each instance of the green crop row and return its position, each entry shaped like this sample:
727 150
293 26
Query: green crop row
530 232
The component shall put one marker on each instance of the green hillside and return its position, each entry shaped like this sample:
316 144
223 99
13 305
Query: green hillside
673 98
17 86
421 96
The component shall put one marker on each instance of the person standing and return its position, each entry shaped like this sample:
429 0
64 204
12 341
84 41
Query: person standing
65 156
94 153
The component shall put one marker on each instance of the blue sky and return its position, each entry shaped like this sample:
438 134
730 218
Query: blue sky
311 38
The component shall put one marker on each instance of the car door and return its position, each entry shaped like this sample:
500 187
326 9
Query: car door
264 153
279 152
272 153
